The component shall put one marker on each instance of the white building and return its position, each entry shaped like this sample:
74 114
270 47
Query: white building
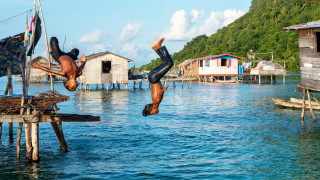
104 68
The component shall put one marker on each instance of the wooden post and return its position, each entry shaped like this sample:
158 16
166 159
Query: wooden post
314 118
10 91
57 126
20 128
48 54
35 141
27 130
19 139
303 105
102 86
9 84
0 130
271 79
259 79
182 84
97 87
140 84
58 130
134 84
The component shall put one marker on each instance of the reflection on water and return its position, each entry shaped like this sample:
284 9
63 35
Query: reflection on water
212 131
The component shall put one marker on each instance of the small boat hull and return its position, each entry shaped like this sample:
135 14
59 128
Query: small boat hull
296 103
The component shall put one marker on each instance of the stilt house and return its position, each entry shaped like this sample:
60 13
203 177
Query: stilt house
189 68
309 46
103 68
218 66
38 75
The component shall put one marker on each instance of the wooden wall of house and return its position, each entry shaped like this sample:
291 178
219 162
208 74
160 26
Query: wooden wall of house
309 60
92 73
192 70
119 68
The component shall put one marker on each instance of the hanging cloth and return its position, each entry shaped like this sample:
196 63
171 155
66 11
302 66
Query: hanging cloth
36 34
12 53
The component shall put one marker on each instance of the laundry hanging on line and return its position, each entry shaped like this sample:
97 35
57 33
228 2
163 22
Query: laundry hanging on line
35 26
12 54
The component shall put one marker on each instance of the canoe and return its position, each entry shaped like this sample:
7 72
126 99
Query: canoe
296 103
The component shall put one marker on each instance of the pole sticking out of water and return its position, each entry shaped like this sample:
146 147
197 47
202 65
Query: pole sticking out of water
47 44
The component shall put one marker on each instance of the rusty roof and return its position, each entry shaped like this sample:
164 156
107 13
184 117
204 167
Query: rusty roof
309 25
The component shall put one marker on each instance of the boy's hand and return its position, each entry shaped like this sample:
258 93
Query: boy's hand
83 58
164 89
35 65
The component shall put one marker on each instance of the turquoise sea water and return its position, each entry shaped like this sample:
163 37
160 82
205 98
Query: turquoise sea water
212 131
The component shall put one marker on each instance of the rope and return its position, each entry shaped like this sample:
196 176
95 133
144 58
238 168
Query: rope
16 15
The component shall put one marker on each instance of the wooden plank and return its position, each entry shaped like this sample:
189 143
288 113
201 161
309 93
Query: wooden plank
306 41
310 86
49 118
311 77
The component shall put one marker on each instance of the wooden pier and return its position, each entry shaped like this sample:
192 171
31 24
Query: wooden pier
137 83
32 112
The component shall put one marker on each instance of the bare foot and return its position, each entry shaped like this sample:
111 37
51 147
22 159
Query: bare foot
157 44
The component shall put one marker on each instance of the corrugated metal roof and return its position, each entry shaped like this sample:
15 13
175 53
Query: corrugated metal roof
103 53
228 56
309 25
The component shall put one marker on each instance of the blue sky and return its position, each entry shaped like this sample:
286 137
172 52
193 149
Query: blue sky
124 27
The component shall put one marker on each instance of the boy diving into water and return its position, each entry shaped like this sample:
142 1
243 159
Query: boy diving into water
154 78
69 69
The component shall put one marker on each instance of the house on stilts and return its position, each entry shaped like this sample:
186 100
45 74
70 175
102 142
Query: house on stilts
104 68
188 68
218 68
309 47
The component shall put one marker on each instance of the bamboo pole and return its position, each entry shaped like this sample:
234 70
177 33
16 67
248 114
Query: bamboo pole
303 105
315 98
47 44
314 118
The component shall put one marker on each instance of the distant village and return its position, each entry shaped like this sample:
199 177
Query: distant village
110 68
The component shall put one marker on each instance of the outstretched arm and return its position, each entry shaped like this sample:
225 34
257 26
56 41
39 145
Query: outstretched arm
61 73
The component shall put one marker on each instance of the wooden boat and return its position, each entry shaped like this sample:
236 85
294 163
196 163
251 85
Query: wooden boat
138 75
296 103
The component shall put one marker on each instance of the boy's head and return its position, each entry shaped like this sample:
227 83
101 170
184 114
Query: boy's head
71 84
149 110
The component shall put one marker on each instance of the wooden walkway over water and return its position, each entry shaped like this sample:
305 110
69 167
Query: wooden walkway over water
139 83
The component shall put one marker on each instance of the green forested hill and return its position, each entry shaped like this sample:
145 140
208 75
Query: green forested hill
260 30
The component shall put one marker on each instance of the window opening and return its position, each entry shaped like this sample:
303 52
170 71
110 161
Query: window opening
106 66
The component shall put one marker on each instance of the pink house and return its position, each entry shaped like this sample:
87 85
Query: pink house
218 67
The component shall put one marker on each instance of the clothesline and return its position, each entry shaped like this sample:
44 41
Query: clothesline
16 15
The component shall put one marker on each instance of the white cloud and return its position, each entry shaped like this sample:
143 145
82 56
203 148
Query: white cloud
92 37
129 50
130 32
197 14
184 27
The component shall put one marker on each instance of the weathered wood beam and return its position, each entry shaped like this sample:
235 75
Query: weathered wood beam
49 118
